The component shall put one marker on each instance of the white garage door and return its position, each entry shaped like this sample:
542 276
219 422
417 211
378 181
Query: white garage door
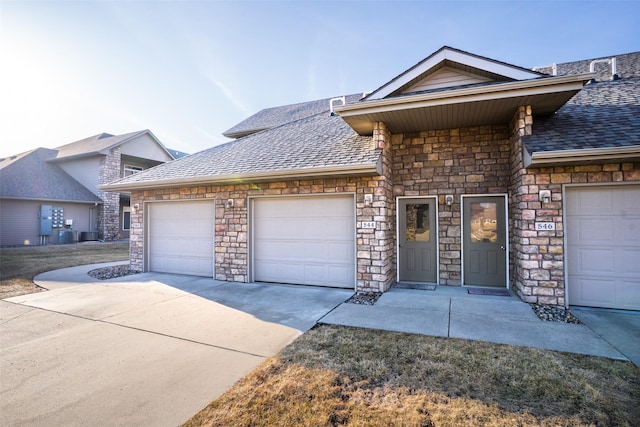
304 240
181 237
603 244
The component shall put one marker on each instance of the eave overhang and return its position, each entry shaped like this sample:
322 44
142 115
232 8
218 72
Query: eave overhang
455 108
368 169
582 156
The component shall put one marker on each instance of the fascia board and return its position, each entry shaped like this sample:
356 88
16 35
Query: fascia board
581 155
363 169
482 93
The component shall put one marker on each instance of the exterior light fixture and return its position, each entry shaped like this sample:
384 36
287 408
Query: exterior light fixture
545 196
448 199
229 204
368 199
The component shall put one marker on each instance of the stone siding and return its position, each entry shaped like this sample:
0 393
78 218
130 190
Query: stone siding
109 214
537 258
375 270
472 160
475 160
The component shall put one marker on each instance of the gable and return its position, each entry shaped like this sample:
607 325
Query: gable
444 77
100 144
145 147
463 61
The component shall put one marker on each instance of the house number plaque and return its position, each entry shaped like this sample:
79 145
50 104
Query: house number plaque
369 224
545 226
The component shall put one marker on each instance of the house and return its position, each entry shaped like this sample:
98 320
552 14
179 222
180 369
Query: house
462 170
50 196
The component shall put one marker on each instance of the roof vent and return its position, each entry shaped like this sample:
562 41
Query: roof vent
610 61
554 68
332 100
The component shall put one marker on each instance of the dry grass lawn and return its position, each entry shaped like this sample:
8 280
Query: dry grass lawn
357 377
346 376
18 266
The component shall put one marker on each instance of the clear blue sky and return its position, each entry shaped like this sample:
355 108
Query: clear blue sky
190 70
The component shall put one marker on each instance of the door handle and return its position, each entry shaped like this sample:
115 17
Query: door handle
400 246
502 247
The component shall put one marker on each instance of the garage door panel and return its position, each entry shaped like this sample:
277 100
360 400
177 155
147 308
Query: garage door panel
316 251
630 262
304 240
596 260
181 237
594 230
628 229
630 288
603 246
339 273
594 291
279 250
341 252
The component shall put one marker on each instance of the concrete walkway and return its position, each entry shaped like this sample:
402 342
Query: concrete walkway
148 349
153 349
452 312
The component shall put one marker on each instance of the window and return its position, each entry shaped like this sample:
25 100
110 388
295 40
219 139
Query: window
126 219
483 222
418 222
130 170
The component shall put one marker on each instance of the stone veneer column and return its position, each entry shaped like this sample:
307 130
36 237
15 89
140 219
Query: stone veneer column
109 214
136 232
376 258
231 251
537 257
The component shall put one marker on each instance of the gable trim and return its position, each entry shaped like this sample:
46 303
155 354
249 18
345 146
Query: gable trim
453 55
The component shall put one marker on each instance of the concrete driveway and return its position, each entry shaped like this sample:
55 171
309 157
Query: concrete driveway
148 349
620 328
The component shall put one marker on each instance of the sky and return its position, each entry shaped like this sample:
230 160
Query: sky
189 70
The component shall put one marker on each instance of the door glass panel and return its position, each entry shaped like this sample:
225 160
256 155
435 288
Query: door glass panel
418 227
483 222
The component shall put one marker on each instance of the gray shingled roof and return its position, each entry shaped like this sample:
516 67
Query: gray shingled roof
176 154
29 175
276 116
94 144
604 114
628 65
317 141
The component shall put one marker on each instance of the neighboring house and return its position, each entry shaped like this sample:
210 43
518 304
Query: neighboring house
462 170
50 196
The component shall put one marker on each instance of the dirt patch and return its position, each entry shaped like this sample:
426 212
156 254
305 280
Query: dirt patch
17 287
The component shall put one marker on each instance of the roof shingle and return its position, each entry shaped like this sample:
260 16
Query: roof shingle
276 116
604 114
316 141
30 175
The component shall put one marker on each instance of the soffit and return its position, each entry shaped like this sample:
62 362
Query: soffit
462 107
